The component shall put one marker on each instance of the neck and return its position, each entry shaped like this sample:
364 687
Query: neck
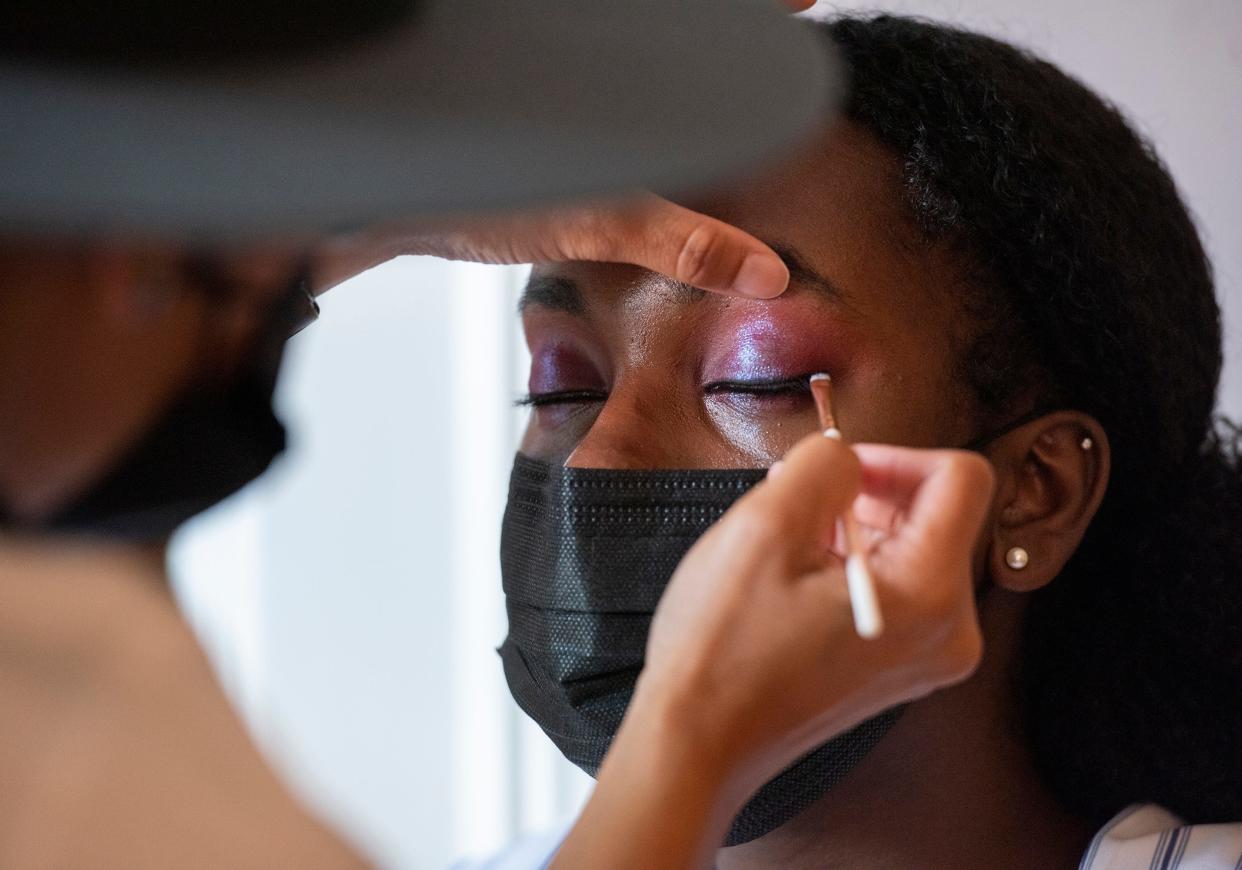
952 785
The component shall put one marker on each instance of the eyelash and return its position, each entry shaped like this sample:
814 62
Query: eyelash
799 385
787 386
560 397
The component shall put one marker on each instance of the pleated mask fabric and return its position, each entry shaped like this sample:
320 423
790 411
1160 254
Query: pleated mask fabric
585 556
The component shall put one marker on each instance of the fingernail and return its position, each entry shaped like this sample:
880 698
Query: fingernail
776 468
762 276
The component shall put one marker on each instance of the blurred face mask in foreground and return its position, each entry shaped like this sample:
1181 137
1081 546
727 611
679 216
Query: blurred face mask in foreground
213 440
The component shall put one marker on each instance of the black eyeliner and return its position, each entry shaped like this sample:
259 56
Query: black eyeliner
535 400
796 384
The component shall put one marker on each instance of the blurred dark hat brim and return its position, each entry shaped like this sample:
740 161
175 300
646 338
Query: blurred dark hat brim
467 105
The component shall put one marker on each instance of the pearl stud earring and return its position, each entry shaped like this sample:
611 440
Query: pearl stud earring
1086 443
1017 558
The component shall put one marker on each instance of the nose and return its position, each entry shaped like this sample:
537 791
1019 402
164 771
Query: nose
638 429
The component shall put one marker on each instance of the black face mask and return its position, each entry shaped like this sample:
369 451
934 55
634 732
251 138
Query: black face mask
585 555
213 441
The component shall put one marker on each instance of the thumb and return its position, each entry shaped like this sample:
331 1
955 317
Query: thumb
690 247
644 230
942 496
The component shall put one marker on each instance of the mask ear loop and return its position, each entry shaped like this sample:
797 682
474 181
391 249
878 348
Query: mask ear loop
303 309
294 310
978 444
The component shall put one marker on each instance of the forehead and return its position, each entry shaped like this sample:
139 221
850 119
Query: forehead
834 211
838 198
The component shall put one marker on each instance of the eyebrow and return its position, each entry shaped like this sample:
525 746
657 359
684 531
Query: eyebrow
563 294
800 272
550 291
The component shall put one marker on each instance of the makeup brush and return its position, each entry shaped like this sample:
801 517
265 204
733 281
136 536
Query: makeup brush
867 620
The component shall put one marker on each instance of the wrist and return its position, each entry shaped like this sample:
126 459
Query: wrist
663 800
688 742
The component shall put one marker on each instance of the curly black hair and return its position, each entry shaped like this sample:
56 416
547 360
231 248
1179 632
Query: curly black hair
1089 289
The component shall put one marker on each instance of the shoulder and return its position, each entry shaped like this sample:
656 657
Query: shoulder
1144 836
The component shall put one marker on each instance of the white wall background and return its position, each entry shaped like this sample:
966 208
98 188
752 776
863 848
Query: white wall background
351 599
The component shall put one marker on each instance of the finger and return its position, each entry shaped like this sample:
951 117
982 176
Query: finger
943 494
644 230
894 474
878 514
690 247
950 506
890 479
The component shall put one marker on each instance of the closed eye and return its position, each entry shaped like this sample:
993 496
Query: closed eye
561 397
799 385
788 386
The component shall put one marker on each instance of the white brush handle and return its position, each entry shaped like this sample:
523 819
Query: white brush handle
867 620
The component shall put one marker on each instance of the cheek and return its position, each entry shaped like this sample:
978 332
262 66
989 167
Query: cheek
552 433
904 398
761 436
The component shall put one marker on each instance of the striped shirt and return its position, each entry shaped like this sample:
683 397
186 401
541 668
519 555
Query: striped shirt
1148 837
1142 837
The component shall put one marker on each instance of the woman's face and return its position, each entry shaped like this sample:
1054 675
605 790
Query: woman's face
632 370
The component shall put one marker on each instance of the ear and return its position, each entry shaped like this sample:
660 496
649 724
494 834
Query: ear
1051 475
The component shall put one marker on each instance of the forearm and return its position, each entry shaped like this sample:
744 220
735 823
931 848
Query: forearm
664 800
